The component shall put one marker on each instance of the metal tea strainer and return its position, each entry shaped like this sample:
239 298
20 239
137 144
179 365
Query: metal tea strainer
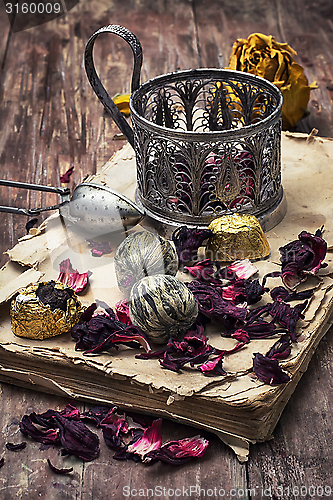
93 209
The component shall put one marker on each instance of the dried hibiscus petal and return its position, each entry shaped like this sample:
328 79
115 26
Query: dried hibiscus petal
203 270
279 292
212 304
241 335
187 241
255 330
46 436
179 452
130 336
71 277
99 248
100 332
287 316
268 370
70 411
77 439
122 312
62 427
97 414
301 257
213 367
66 176
16 447
112 426
150 440
244 290
59 471
281 349
243 269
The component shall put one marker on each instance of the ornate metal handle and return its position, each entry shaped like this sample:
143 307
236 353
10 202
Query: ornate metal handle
96 84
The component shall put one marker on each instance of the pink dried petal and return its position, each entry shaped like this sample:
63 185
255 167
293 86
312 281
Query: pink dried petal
243 269
122 312
235 293
71 277
151 440
201 270
241 335
213 367
179 452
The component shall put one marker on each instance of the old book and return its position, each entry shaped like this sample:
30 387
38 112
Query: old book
237 407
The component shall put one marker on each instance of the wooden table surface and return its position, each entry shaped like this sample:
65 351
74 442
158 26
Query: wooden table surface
50 119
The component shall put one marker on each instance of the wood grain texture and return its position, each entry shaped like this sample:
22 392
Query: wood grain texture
51 120
299 455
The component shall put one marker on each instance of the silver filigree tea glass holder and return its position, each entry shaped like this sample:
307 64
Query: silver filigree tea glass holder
207 143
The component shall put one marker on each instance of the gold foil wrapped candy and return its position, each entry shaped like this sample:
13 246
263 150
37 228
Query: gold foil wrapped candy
44 310
236 237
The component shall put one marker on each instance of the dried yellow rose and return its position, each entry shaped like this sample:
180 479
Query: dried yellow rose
122 103
261 55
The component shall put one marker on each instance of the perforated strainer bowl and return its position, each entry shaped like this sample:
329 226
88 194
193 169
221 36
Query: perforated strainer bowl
93 209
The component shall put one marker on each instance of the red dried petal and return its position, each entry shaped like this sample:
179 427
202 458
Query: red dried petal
16 447
268 370
66 176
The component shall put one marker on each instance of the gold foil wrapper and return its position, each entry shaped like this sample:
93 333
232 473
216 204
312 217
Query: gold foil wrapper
32 319
236 237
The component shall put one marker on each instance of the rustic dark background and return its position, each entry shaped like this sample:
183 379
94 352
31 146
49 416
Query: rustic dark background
50 119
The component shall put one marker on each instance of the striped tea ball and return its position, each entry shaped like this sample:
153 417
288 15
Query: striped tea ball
163 307
143 254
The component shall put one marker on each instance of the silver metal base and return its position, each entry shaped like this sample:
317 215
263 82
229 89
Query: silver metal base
165 227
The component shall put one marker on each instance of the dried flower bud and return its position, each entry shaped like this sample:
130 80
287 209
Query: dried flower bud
261 55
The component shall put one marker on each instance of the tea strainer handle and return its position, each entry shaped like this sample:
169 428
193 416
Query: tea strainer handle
96 84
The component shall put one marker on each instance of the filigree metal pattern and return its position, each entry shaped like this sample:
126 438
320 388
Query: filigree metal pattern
207 143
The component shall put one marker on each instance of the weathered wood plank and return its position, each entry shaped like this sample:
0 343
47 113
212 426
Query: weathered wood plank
305 26
51 119
299 455
26 474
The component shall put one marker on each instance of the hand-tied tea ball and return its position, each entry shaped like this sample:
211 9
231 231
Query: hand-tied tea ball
143 254
163 307
44 310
